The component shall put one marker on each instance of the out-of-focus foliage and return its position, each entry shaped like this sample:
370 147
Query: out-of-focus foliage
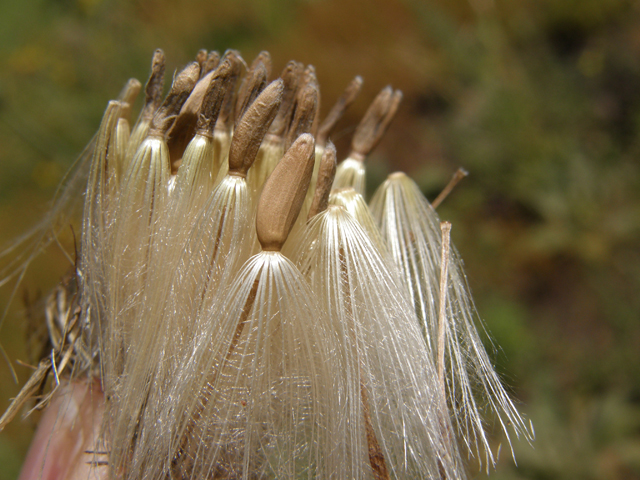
540 101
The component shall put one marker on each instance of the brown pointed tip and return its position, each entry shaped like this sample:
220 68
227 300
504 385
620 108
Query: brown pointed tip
291 78
265 58
186 79
219 85
201 58
345 100
375 122
283 194
199 112
253 84
213 59
305 112
457 176
225 119
326 174
392 109
130 91
183 85
253 127
155 84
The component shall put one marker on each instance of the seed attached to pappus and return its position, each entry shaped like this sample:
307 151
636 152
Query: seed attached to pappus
240 311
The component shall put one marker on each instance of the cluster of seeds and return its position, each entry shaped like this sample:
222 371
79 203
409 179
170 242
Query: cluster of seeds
248 314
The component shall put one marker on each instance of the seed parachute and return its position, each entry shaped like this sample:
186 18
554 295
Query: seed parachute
238 311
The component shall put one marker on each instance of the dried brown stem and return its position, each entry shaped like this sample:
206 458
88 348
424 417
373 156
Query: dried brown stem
445 227
459 175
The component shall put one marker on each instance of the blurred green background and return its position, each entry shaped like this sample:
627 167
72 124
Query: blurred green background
538 100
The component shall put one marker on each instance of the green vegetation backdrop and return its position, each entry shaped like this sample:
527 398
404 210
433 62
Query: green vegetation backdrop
538 100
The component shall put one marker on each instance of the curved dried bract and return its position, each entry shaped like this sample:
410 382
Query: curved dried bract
394 420
411 229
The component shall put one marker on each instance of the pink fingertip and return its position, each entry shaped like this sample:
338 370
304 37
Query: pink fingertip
66 444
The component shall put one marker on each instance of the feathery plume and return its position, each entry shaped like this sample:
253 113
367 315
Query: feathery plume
361 360
176 305
395 419
263 365
411 229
